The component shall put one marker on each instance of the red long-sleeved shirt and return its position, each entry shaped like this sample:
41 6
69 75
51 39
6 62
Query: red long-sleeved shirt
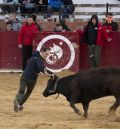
27 33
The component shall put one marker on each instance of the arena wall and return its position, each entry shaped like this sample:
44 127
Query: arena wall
72 53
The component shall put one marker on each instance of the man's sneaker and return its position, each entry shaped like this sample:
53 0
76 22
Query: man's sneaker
17 107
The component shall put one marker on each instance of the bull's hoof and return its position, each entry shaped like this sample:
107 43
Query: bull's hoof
111 112
77 112
85 116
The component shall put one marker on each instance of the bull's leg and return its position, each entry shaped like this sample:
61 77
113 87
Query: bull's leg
113 108
74 98
74 108
85 108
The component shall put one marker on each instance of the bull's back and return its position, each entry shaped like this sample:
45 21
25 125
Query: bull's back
97 83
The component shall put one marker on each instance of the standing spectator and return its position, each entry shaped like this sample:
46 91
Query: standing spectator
110 25
95 34
16 25
29 77
56 6
25 40
9 6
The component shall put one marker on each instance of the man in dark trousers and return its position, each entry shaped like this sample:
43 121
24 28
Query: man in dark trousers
26 39
95 34
29 76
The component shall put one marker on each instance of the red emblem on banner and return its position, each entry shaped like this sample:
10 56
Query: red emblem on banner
62 52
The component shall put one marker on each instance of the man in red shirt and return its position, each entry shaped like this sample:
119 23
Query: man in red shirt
110 25
25 40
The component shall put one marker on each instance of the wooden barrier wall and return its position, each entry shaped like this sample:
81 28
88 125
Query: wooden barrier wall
66 50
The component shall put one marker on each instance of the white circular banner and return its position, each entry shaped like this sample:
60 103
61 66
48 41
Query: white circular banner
57 52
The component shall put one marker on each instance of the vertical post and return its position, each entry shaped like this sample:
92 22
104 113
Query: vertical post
107 5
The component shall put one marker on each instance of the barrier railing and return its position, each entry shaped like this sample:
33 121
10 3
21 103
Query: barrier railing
78 11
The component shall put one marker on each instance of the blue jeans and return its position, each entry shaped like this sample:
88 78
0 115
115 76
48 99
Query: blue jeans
51 9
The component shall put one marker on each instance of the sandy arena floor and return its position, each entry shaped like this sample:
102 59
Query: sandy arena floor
49 113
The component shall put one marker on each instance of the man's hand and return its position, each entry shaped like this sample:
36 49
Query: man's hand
20 45
109 39
108 31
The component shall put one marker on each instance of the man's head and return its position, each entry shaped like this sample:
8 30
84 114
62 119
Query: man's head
8 26
94 19
30 20
7 18
45 52
13 16
109 17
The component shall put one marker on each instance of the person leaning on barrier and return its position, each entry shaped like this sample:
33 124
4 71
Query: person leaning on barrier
110 25
29 77
95 34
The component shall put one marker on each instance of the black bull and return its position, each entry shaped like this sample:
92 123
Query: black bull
86 86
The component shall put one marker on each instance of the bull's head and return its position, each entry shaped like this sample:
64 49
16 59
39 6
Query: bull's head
51 86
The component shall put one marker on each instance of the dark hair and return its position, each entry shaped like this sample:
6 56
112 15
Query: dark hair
62 21
34 17
45 49
8 23
94 16
30 16
110 14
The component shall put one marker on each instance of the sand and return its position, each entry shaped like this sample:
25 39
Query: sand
50 113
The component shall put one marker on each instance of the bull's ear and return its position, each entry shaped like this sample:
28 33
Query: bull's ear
56 77
51 77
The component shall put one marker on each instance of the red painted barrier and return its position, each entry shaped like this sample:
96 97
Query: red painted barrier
65 57
110 55
66 51
64 48
10 55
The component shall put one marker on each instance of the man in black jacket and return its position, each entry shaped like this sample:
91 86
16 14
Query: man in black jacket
28 79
